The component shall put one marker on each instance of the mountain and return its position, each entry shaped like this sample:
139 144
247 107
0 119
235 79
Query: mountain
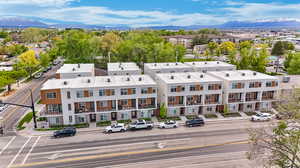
261 24
15 22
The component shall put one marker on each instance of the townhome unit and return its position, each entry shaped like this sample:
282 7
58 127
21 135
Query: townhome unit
246 90
190 93
93 99
68 71
123 68
205 66
169 67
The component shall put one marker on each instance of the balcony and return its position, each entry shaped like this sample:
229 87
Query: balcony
126 104
234 100
269 95
175 101
126 107
84 107
84 110
193 100
252 96
106 106
268 98
146 103
251 99
212 99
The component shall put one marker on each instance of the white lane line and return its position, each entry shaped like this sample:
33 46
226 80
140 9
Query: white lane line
27 155
16 156
7 145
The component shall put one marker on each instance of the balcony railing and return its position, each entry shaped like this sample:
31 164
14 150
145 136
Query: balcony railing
251 99
268 98
84 110
234 100
101 109
195 102
126 107
170 104
146 106
211 102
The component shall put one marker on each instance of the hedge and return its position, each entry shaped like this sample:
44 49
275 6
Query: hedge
103 123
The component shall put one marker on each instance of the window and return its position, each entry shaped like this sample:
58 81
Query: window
70 119
103 117
209 109
69 107
81 119
254 84
133 91
124 91
143 101
237 85
124 102
103 104
101 92
68 94
214 87
51 95
192 88
173 89
271 84
90 93
144 90
54 108
80 94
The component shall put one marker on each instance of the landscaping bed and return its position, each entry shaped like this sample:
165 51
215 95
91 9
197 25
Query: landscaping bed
26 119
124 121
190 117
169 118
146 119
210 116
103 123
251 113
231 115
59 127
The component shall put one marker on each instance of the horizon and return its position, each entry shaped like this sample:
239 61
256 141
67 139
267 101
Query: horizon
134 13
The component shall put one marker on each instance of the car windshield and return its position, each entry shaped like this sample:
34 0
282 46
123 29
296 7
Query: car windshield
258 115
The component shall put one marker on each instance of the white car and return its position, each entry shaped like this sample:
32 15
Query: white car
261 117
168 124
38 75
3 107
119 127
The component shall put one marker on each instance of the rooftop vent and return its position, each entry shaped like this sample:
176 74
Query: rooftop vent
167 64
243 74
227 75
140 78
155 64
122 68
176 63
108 79
205 62
193 63
128 79
254 73
172 77
218 62
65 82
189 76
73 69
78 65
89 81
201 76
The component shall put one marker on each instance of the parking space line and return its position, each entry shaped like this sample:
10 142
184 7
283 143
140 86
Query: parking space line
20 150
6 146
27 155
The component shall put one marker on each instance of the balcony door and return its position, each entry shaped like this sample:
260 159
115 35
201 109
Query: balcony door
114 116
92 117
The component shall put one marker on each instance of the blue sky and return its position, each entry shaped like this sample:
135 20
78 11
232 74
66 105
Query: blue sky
151 12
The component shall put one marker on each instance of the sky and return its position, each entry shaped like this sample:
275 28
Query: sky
137 13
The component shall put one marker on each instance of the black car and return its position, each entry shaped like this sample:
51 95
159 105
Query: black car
69 131
195 122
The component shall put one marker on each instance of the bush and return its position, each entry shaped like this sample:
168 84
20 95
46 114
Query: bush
169 118
210 116
59 127
26 119
251 113
103 123
124 121
41 119
231 114
190 117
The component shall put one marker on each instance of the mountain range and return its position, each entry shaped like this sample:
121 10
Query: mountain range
15 22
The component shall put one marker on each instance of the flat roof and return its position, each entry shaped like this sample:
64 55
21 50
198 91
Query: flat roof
204 64
187 77
99 81
166 65
76 68
122 66
239 75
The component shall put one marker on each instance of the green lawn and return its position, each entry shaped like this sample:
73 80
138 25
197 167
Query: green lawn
231 115
26 119
210 116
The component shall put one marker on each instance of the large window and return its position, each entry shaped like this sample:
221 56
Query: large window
80 94
51 95
54 108
173 88
101 92
254 84
237 85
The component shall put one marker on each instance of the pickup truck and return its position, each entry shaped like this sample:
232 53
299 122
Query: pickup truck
141 124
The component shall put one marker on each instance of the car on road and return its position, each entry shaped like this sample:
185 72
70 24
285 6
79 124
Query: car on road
47 69
3 107
68 131
38 75
261 117
195 122
119 127
140 124
168 124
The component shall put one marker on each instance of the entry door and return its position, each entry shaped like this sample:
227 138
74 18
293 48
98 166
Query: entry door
133 114
257 106
200 110
93 117
182 110
114 116
241 107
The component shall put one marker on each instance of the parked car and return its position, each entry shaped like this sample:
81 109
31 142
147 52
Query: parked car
141 124
69 131
3 107
119 127
261 117
168 124
195 122
38 75
47 69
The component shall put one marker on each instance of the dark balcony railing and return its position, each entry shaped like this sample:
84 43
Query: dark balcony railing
146 106
211 102
101 109
251 99
126 107
268 98
172 104
84 110
195 102
234 100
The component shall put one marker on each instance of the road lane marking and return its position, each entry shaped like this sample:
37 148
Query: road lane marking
6 146
27 155
20 150
128 153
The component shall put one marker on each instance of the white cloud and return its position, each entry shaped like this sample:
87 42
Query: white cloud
36 2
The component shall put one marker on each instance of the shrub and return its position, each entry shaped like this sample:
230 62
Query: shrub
210 116
190 117
41 119
26 119
250 113
231 114
176 118
103 123
59 127
124 121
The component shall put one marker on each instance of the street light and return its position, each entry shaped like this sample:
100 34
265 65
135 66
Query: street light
27 106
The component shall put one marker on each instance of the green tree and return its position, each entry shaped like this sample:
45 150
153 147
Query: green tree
288 59
162 111
212 46
44 60
245 44
281 47
28 62
227 47
33 35
200 40
294 65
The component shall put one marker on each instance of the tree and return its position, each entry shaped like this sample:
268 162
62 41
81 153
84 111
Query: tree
227 47
294 65
28 62
200 40
245 44
281 47
162 111
44 60
212 46
288 59
33 35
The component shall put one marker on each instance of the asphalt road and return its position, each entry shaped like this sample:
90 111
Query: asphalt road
22 96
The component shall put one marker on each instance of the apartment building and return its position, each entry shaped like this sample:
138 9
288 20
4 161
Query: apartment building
123 68
246 90
205 66
93 99
190 93
168 67
68 71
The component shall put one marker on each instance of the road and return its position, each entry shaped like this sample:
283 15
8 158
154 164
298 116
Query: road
22 96
210 146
